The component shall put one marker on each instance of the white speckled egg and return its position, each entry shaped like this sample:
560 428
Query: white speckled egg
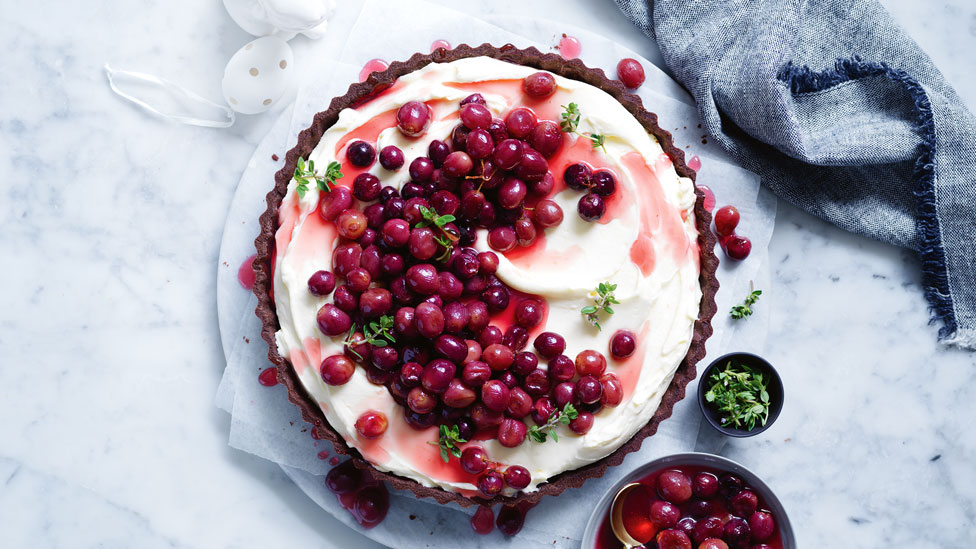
258 75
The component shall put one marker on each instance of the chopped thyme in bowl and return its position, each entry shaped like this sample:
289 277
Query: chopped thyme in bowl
740 395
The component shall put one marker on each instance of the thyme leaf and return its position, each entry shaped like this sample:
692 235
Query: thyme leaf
603 298
447 440
305 175
541 433
745 309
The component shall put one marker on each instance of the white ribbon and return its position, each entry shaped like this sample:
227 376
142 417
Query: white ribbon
175 90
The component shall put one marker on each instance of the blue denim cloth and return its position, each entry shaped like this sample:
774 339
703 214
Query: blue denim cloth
841 114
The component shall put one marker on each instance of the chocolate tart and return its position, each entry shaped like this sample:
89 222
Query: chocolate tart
376 83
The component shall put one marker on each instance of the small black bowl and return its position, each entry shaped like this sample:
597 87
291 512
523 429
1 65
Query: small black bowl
774 387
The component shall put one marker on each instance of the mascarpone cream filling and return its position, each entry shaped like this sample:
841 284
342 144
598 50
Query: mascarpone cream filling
658 288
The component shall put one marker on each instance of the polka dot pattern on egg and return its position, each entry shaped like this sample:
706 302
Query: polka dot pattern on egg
258 75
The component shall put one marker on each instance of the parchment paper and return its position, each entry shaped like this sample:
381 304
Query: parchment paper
264 423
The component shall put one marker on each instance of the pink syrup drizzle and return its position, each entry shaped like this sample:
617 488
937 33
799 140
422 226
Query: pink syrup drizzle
709 197
368 131
324 455
511 518
245 273
660 226
268 377
334 461
483 521
694 163
569 47
371 66
437 44
629 370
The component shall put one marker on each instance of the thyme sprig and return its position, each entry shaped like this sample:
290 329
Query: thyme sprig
569 122
445 237
432 218
745 309
570 118
378 333
305 175
603 300
447 440
540 433
739 394
598 141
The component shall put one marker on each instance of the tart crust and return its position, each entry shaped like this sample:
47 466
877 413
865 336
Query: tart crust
376 83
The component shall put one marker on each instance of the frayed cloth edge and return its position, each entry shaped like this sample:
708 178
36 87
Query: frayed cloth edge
935 273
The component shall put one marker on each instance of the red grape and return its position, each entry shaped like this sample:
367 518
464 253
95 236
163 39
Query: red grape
334 202
630 72
738 247
366 187
613 391
475 115
539 84
360 153
674 486
337 370
591 207
520 122
391 158
511 432
582 424
495 395
726 220
372 424
413 118
332 320
673 539
622 344
546 138
549 344
508 153
547 213
321 283
517 477
474 459
590 363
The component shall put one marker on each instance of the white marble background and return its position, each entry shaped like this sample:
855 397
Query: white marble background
110 355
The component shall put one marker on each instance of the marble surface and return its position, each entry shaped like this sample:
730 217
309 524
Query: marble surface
111 354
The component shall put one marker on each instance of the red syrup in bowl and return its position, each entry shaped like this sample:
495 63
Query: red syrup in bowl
365 498
638 521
